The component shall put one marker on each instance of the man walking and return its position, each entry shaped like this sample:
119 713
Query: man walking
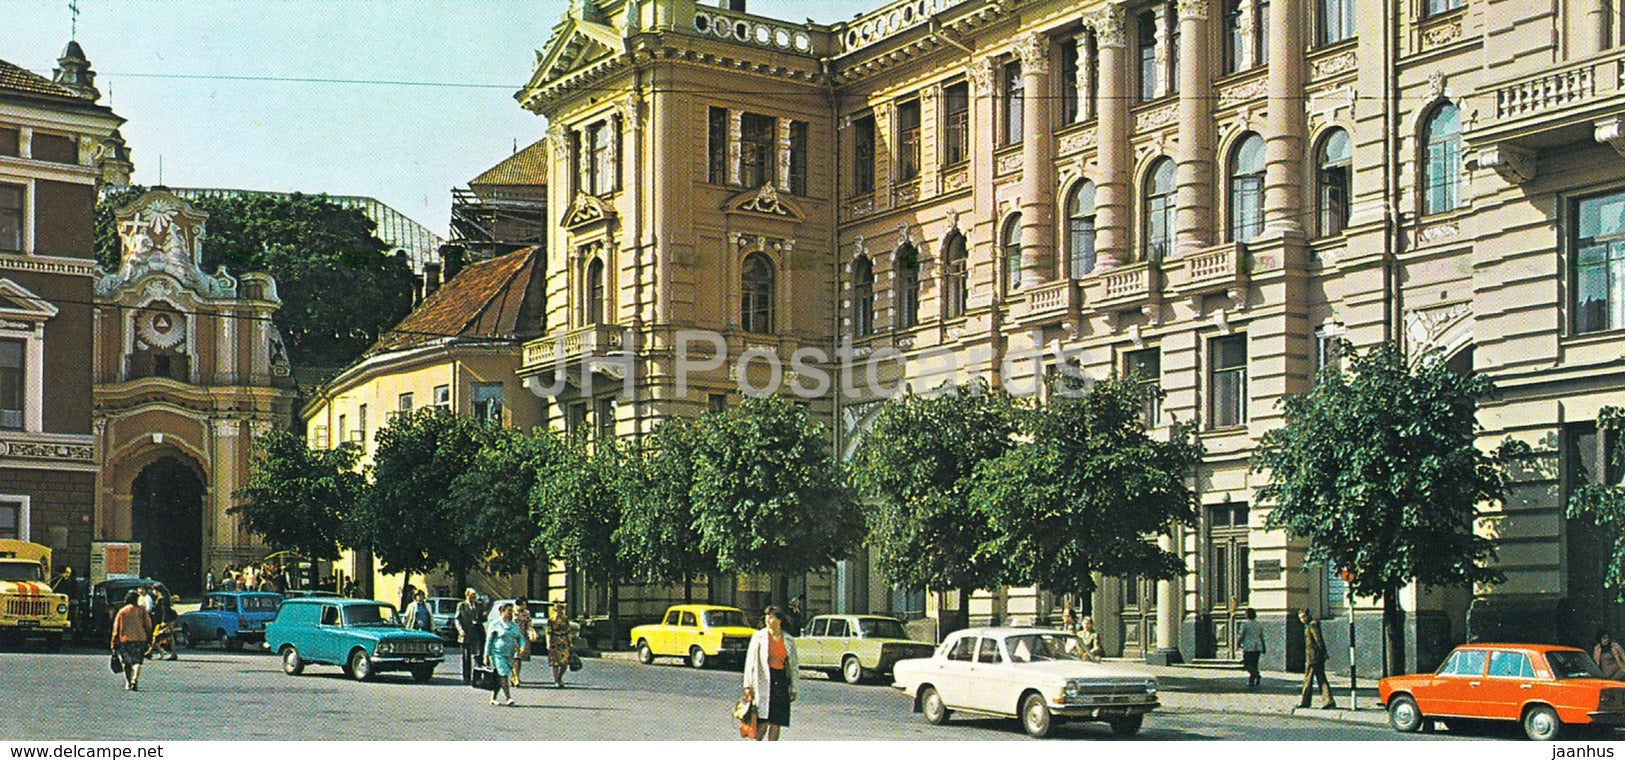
1250 637
132 629
470 632
418 616
1314 662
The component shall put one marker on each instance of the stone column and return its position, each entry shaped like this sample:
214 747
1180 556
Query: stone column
1113 193
1284 145
1037 164
1194 171
1169 612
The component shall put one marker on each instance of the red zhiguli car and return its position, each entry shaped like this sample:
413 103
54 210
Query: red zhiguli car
1542 687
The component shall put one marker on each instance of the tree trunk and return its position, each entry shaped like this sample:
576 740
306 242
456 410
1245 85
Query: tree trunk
460 579
614 612
1393 634
688 589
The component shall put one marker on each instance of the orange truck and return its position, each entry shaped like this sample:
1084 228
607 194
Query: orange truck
29 609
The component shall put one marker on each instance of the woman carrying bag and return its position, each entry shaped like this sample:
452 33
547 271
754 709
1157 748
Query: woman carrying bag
770 675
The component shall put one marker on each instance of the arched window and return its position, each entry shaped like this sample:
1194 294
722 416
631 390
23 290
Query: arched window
756 295
956 268
1332 164
908 286
1247 189
1011 245
1158 238
863 297
1080 229
1441 171
595 292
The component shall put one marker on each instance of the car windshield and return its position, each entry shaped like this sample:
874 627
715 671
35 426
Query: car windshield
880 628
1572 665
367 614
445 607
1039 647
260 603
21 571
720 618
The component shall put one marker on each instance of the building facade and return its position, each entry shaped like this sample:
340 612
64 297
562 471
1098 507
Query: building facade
57 147
1210 192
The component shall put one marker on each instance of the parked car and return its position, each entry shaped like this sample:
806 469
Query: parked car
1542 687
354 634
96 621
698 632
444 611
229 617
307 592
856 647
1039 676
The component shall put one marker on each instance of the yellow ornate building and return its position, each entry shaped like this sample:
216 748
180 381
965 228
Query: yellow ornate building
1210 191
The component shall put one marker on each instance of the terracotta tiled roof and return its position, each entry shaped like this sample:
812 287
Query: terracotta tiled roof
13 77
527 167
488 299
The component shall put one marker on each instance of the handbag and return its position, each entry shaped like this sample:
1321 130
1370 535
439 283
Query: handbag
575 661
745 716
114 664
484 679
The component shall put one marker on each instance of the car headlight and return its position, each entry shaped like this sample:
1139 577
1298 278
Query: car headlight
436 648
62 609
1151 687
1071 690
384 647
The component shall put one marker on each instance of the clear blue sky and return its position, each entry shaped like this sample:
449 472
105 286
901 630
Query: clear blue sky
162 65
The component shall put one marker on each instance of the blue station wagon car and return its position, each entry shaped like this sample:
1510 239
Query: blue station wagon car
229 617
354 634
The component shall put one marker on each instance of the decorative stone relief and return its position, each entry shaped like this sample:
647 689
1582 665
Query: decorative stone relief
1111 27
1079 141
628 108
1424 327
1611 132
766 201
1196 9
1009 163
1515 165
1033 49
1435 85
1157 117
1337 64
1442 34
1440 232
1251 89
980 76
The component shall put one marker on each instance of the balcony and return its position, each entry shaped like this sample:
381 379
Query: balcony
1580 102
1224 267
571 346
1127 286
1052 298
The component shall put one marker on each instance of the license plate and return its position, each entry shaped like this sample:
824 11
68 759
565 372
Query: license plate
28 624
416 660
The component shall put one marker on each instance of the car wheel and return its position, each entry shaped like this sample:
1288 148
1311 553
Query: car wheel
423 674
1126 726
645 654
1540 724
292 663
360 665
1403 715
183 637
852 670
696 657
1035 716
232 644
931 705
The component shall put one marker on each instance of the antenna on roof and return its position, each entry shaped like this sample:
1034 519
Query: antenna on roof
516 145
73 8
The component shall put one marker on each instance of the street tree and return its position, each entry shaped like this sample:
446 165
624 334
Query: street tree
1377 467
339 287
408 519
768 495
576 504
1088 490
657 537
913 470
1600 498
300 498
493 495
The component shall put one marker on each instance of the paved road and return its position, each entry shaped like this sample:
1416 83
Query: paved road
210 694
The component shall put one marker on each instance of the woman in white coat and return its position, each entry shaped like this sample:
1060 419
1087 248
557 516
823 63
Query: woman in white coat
770 675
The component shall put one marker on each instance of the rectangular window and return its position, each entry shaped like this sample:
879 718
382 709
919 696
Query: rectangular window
798 158
577 173
1173 49
575 419
1593 458
1599 263
1014 96
758 145
1069 82
403 403
1227 380
1436 7
601 158
344 428
863 155
955 123
442 396
321 436
1146 364
1263 25
11 218
487 398
605 417
1328 348
11 520
717 145
1336 21
361 423
908 140
11 384
1147 39
1235 41
11 140
716 402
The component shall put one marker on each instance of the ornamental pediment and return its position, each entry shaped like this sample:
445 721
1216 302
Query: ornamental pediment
17 303
585 211
765 201
575 43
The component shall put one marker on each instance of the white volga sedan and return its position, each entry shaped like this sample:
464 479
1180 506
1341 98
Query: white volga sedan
1040 676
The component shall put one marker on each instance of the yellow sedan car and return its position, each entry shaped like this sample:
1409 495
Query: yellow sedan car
698 632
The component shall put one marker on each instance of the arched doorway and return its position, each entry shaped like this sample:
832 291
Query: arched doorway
166 517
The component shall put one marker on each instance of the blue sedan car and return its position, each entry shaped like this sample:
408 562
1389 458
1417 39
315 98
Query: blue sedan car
229 617
354 634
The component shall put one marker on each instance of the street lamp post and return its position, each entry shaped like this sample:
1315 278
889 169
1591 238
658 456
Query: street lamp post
1354 694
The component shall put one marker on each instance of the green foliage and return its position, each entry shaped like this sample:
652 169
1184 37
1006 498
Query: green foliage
339 288
657 539
1086 490
913 468
409 519
1377 466
1603 503
768 495
493 497
577 506
298 497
